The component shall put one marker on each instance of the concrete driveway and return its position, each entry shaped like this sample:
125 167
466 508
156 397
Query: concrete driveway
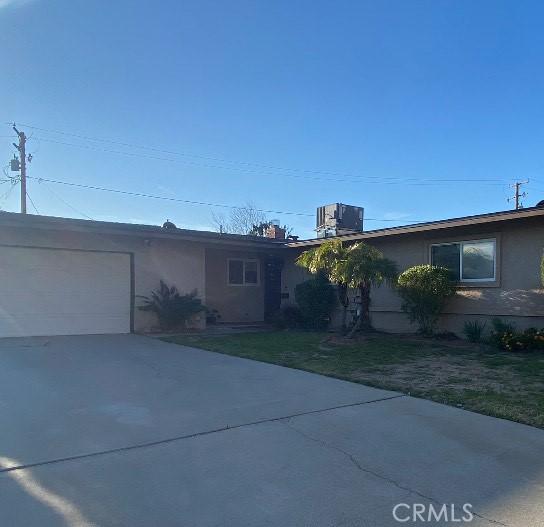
131 431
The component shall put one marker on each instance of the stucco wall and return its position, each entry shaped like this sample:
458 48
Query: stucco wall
179 263
234 303
516 295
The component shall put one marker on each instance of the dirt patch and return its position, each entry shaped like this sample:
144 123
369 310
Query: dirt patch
456 375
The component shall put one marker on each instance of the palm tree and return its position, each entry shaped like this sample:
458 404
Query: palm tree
359 266
329 258
364 267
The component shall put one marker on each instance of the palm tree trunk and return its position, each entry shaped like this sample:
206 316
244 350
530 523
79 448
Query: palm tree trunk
363 320
344 318
344 302
365 306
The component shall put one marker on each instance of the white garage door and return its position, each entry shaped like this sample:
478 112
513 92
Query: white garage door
63 292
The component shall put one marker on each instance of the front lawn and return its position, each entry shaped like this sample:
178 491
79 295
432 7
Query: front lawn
507 385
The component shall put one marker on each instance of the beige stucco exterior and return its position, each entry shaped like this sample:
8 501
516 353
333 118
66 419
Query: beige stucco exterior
235 303
516 295
199 260
179 264
188 264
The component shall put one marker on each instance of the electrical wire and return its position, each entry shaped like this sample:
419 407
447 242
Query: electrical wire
354 179
154 196
32 201
343 176
187 201
57 196
350 178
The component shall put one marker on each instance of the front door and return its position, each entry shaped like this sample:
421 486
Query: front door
272 286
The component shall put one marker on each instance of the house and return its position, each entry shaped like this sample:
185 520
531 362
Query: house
68 276
495 257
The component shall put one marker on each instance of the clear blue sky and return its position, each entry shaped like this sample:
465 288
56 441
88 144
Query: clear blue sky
404 90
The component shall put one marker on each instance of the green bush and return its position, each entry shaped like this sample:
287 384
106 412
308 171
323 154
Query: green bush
424 290
499 326
501 331
505 336
288 317
172 308
474 330
316 299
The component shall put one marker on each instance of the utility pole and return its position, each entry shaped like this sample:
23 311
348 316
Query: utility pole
22 157
516 197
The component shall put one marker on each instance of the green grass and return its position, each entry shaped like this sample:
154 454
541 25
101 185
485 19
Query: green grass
501 384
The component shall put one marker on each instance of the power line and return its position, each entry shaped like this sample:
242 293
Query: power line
51 191
343 176
190 202
32 201
374 179
166 198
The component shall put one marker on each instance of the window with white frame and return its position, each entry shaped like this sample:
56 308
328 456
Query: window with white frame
243 272
468 261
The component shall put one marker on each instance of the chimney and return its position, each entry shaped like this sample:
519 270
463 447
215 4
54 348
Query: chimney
275 231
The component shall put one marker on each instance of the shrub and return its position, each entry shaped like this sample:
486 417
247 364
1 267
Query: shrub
359 266
500 331
288 317
424 290
316 299
171 307
499 326
527 340
474 330
505 336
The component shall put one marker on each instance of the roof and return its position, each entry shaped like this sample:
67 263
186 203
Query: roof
465 221
14 219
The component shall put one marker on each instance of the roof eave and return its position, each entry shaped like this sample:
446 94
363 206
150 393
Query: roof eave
465 221
9 219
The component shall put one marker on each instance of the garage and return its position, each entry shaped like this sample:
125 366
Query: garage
46 291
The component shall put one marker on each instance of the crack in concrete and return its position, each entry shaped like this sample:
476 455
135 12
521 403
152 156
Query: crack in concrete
190 436
354 461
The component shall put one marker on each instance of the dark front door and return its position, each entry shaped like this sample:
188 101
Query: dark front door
272 286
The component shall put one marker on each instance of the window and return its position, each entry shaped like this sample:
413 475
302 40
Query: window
470 261
243 272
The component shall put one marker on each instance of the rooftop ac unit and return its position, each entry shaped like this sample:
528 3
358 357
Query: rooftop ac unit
338 218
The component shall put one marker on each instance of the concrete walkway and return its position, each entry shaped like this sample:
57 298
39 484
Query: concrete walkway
131 431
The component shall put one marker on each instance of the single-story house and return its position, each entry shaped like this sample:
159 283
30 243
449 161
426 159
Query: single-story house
69 276
63 276
495 257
